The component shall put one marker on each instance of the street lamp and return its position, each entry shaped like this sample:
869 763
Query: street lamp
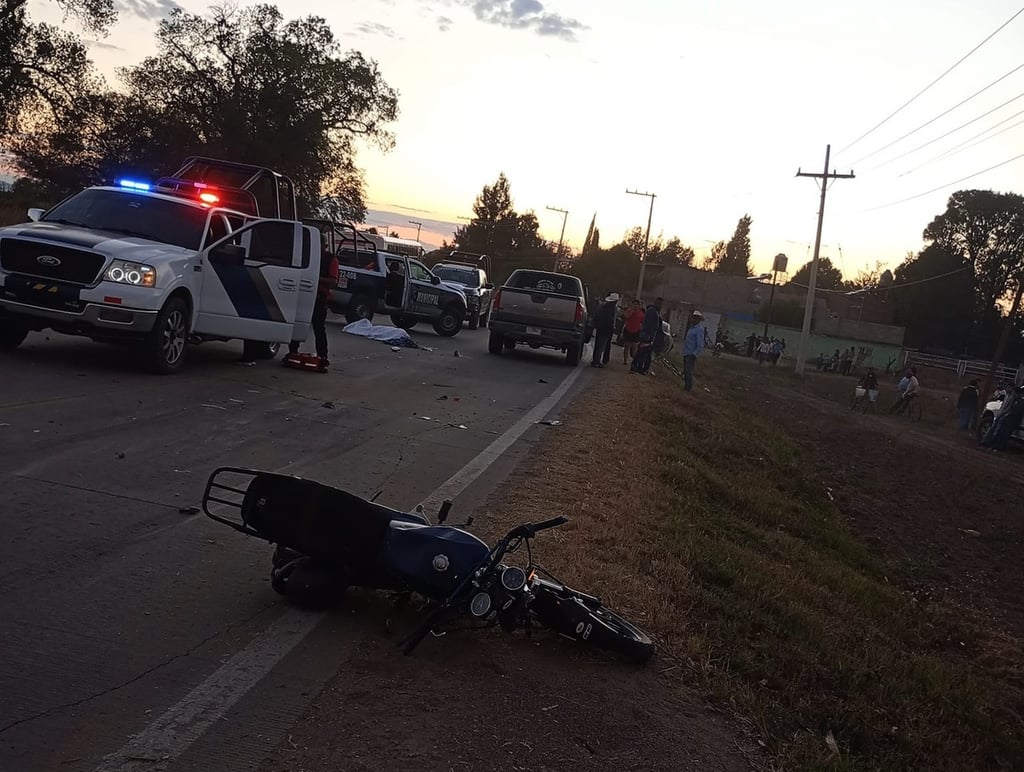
418 226
647 240
565 218
779 265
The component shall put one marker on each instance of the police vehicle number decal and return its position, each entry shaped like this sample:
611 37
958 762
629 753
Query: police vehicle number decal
428 298
344 278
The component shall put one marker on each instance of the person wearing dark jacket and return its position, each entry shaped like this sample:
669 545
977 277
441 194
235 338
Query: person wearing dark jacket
604 330
648 336
329 272
967 406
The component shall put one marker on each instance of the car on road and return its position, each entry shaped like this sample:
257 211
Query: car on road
159 265
988 417
471 279
371 282
541 309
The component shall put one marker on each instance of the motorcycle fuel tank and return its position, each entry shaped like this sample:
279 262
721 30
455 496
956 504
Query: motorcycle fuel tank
433 559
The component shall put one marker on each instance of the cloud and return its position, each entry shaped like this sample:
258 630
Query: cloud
153 10
102 45
375 28
525 14
444 23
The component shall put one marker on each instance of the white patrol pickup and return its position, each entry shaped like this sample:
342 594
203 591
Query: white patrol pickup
127 263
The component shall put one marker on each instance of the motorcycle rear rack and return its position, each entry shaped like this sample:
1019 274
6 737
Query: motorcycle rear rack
222 497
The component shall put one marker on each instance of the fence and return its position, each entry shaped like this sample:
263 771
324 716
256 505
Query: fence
964 367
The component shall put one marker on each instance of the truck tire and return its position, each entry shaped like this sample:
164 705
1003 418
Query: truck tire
449 322
496 343
164 347
403 322
360 307
572 355
12 334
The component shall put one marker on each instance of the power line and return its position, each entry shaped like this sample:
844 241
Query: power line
947 185
941 115
965 144
951 131
891 286
943 75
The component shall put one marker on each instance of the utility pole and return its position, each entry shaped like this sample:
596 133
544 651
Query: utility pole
565 218
825 176
647 241
418 226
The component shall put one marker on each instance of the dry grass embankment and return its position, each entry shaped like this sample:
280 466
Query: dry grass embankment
706 524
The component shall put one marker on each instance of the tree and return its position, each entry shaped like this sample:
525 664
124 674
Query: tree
615 269
867 277
736 260
241 83
714 258
829 277
673 252
498 230
43 67
934 299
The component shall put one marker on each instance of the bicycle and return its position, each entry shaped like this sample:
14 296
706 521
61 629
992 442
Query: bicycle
909 407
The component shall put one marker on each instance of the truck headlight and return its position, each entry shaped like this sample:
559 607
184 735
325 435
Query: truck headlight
135 274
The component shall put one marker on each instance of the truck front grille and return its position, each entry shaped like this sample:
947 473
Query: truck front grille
50 261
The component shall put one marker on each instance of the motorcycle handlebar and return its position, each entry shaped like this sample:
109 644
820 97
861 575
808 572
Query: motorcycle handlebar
529 530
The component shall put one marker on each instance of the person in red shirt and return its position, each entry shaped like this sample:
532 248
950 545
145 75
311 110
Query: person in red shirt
632 323
329 270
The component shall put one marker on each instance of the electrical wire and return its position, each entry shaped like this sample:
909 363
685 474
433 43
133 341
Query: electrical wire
922 91
967 144
951 131
891 286
940 115
940 187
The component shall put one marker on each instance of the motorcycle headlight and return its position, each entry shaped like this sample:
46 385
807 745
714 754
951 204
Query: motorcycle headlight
135 274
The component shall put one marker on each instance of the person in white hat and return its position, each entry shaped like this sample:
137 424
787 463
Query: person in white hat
604 330
693 342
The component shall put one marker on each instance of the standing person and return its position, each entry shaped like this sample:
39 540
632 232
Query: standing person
870 385
648 337
763 350
967 406
604 329
633 321
329 271
693 342
751 344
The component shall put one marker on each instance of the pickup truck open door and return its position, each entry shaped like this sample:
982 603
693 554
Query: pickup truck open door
253 280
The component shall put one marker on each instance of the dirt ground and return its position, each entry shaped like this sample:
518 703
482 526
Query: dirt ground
946 514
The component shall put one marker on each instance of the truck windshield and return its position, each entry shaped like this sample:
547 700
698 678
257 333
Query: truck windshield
145 217
546 282
467 276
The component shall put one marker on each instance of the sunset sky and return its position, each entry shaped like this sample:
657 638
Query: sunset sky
712 106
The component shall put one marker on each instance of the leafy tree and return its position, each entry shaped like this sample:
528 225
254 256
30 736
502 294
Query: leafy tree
867 277
241 83
937 312
829 277
43 67
673 252
714 258
736 260
615 269
784 313
634 239
498 230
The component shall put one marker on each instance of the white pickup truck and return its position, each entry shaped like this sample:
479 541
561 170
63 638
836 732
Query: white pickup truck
159 267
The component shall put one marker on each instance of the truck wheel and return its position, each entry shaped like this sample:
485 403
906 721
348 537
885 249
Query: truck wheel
448 323
572 356
164 347
984 425
496 343
403 322
12 334
360 307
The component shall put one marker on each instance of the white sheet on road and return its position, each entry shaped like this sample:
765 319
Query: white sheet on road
385 334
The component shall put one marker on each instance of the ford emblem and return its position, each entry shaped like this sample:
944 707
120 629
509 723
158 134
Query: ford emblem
49 260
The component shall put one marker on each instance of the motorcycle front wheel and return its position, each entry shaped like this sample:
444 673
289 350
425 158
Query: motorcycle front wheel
585 619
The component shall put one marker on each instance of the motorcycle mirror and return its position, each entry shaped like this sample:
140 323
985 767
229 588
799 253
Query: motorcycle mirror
442 513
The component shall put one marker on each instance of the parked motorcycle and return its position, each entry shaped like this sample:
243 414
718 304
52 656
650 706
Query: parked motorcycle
328 540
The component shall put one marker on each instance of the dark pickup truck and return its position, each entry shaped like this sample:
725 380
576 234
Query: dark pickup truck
540 309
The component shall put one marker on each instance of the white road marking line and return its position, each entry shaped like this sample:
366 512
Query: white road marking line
167 738
462 479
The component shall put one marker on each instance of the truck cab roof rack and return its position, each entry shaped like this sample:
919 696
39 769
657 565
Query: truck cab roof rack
272 192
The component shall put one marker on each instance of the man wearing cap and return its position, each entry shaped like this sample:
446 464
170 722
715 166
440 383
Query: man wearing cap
604 330
693 342
967 406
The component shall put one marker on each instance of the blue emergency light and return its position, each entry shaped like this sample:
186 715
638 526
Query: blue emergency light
133 185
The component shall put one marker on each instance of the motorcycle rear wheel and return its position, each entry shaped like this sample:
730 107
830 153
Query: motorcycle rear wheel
589 621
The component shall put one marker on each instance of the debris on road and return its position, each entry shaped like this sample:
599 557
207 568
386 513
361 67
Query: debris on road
328 404
457 354
550 423
188 510
215 407
442 398
969 532
120 454
541 380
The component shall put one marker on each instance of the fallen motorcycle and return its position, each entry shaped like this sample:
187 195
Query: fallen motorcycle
328 540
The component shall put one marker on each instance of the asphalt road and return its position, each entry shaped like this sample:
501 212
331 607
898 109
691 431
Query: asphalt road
117 603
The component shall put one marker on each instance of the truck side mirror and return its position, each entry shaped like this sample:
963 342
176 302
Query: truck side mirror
488 286
228 253
435 280
35 214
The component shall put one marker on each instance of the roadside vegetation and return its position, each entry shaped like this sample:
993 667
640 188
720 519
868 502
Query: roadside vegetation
712 521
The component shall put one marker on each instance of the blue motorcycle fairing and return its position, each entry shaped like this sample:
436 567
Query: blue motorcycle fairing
432 559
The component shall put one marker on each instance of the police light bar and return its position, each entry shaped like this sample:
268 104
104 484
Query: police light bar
209 198
133 185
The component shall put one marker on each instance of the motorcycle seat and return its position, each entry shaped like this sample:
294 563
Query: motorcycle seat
319 520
